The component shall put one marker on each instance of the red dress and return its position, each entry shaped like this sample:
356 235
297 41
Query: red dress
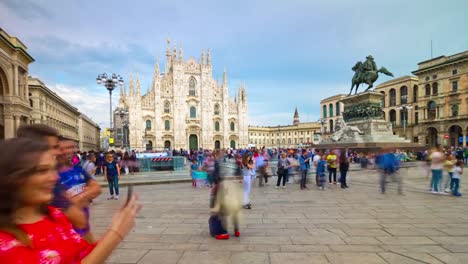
54 241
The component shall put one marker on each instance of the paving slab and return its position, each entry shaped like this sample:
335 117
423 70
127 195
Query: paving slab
357 225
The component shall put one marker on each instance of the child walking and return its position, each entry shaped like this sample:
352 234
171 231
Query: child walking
112 174
455 183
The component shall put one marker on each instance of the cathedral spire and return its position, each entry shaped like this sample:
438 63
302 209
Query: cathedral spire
181 54
156 69
168 55
121 91
132 92
174 56
224 78
296 117
208 58
202 61
138 87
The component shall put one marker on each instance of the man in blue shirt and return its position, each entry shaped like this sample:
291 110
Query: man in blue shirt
304 162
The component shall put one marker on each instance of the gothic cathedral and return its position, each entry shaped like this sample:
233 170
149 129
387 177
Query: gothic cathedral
185 108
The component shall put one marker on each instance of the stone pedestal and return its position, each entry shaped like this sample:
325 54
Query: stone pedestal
363 125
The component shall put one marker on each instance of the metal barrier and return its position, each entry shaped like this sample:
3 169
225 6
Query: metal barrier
164 163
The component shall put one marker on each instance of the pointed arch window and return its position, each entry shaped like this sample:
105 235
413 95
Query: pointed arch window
216 109
167 107
148 124
217 126
193 112
192 84
233 126
167 125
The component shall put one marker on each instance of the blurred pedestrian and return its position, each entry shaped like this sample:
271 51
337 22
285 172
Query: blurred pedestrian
437 160
248 170
455 183
282 169
344 167
31 231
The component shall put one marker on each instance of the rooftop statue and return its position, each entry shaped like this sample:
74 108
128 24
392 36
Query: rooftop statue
366 72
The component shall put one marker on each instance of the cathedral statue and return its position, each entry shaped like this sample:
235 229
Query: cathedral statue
366 72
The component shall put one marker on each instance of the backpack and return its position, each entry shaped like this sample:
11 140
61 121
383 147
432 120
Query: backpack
216 227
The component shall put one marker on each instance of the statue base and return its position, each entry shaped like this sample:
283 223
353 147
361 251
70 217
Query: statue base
363 126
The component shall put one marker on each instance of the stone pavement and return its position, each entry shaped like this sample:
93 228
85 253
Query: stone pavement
355 225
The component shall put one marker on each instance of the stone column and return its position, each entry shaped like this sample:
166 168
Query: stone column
464 139
9 126
15 80
17 124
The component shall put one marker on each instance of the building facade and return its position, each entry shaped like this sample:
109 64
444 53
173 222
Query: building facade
15 109
185 108
289 136
430 108
330 109
88 134
400 105
443 100
50 109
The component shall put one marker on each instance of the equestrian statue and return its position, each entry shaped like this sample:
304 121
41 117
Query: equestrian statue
366 72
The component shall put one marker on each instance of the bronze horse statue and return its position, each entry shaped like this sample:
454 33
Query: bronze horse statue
367 77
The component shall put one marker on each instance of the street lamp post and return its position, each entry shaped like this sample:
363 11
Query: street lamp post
122 112
110 82
405 109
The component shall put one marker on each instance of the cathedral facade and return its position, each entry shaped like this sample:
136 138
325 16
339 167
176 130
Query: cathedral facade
184 108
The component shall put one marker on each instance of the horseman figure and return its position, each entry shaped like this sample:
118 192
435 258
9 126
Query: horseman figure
367 73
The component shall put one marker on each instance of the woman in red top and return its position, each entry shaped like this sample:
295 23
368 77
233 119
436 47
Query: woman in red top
30 231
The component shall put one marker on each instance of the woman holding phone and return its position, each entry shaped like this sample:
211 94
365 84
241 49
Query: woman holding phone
33 232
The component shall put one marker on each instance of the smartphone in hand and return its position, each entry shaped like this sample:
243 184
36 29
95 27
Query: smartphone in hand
129 193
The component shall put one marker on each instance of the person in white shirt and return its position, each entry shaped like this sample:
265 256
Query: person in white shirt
437 160
316 161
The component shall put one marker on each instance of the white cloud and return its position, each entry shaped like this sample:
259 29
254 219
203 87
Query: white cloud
94 104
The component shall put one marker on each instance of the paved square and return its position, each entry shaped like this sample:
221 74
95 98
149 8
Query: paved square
355 225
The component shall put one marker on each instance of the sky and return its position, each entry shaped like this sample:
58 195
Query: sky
289 53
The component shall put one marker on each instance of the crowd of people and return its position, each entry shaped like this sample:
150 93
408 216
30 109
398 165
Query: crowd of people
331 168
46 191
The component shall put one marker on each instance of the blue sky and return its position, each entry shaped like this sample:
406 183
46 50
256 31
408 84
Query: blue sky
289 53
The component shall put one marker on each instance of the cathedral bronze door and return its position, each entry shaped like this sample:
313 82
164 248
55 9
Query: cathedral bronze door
217 144
193 142
233 144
